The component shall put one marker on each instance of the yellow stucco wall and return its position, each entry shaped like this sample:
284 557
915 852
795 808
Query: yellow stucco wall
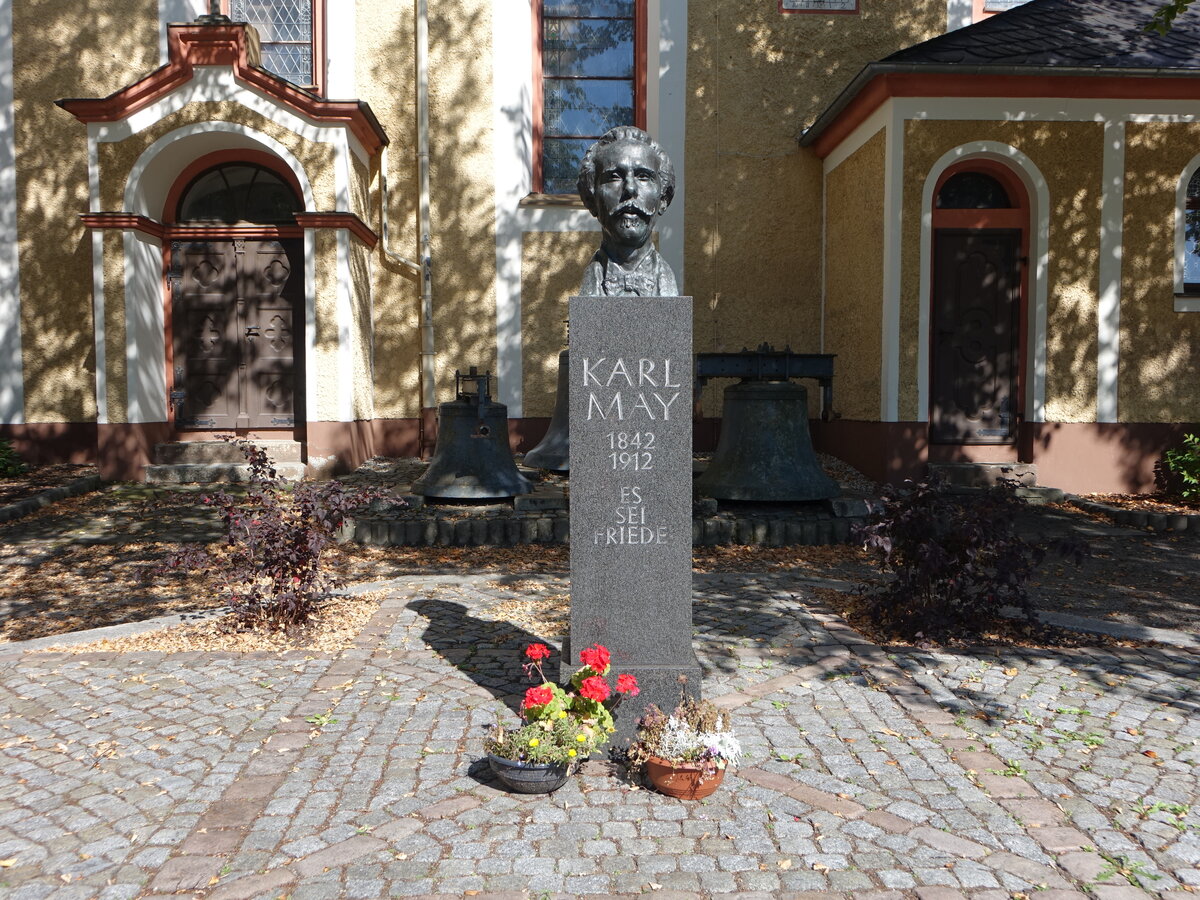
384 69
1070 157
1160 348
546 286
753 233
64 49
854 279
463 207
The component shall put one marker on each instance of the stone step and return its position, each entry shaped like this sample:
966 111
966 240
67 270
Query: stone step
963 474
216 473
206 452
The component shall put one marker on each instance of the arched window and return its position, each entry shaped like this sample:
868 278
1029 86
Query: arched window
1191 236
238 192
972 190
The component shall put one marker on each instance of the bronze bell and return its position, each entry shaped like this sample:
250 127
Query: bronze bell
765 451
472 459
553 452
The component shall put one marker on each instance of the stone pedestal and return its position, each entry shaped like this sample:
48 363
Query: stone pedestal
631 493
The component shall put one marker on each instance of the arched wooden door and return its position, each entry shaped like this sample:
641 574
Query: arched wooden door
237 301
978 247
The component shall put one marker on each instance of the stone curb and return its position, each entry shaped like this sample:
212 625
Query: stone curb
32 504
1136 518
508 528
1171 637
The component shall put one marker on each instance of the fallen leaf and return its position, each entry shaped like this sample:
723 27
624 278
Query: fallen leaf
820 867
8 863
1150 753
785 864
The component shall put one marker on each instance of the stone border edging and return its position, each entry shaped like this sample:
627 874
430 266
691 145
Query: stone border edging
552 527
1139 518
32 504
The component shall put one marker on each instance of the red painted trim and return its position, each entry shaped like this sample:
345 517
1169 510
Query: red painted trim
538 96
216 45
640 29
230 232
956 85
820 12
211 161
123 221
347 220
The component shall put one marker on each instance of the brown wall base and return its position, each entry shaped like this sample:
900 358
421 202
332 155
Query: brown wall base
1076 457
53 442
1079 458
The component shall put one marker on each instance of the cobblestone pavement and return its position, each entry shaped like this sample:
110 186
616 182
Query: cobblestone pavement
1034 773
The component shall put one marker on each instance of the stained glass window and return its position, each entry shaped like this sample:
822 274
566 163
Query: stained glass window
589 81
285 28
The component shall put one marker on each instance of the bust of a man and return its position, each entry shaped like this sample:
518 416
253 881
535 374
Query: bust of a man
626 181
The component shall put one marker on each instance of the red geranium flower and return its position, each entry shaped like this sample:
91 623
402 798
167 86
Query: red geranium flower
537 696
627 684
537 652
596 658
594 688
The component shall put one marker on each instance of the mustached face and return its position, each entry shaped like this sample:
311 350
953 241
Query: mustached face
628 193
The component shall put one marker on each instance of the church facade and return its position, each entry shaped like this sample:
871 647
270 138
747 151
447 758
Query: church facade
300 230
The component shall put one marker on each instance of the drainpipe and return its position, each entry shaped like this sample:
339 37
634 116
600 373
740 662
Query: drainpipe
425 266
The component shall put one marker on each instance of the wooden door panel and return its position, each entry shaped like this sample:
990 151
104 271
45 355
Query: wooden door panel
235 320
272 288
975 308
206 339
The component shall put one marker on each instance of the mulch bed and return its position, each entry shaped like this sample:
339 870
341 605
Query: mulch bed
77 586
37 479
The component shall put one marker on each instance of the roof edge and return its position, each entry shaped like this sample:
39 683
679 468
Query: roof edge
808 136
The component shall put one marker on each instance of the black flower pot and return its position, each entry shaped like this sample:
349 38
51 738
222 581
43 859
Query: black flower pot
529 778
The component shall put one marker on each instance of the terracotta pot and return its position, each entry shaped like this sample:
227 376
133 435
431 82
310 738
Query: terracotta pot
529 778
681 780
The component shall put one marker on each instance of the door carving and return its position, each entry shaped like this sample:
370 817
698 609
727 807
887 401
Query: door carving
976 303
235 305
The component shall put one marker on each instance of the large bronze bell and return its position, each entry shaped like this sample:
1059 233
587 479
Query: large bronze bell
554 450
765 450
472 459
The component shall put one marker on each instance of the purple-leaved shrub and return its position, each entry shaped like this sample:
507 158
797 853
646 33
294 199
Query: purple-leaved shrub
952 560
271 564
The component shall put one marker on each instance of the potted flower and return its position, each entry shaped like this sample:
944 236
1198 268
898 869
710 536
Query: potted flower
685 754
562 725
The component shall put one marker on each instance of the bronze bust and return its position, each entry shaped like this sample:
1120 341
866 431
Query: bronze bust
626 180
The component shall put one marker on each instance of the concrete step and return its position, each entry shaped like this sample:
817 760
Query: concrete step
206 452
962 474
216 473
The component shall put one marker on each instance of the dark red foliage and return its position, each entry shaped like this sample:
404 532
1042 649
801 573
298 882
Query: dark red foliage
275 536
954 560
